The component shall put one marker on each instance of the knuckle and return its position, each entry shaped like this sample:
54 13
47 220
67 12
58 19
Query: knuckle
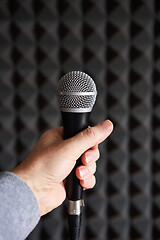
92 165
89 183
92 168
90 132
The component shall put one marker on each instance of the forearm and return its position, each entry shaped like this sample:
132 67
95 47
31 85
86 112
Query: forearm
19 211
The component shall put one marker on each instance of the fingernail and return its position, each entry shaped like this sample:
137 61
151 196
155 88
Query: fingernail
89 158
107 125
83 171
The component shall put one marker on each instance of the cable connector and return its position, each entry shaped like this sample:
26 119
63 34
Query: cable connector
75 207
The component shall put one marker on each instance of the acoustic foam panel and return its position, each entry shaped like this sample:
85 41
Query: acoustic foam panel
118 44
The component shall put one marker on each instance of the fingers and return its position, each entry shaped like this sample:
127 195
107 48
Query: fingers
86 175
90 156
89 182
84 172
89 138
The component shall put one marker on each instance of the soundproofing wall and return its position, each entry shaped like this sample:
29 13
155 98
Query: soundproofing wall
117 42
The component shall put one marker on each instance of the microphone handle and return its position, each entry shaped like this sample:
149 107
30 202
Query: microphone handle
74 123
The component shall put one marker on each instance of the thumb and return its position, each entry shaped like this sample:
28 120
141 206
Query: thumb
88 138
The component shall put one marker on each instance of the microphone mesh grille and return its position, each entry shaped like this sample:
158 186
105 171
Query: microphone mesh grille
72 92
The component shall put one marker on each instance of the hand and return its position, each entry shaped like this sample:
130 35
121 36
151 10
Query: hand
53 158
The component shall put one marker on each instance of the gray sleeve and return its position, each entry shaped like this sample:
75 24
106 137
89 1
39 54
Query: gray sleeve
19 211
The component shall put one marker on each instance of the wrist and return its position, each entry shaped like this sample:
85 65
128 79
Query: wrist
26 177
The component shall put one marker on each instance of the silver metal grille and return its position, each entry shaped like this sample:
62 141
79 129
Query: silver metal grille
76 92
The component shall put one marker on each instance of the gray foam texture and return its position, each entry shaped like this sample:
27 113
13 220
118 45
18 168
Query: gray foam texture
118 44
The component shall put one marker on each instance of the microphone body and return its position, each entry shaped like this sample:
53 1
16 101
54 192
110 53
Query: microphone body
74 123
76 96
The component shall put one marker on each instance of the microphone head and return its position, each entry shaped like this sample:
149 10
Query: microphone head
76 92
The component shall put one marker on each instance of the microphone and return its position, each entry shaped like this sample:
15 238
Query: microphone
76 96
